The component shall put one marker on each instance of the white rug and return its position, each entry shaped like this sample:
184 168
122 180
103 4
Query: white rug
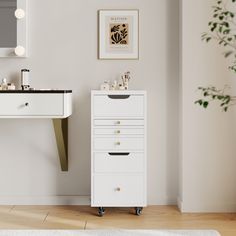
109 233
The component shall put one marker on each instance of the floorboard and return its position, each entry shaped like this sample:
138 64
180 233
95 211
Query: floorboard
85 217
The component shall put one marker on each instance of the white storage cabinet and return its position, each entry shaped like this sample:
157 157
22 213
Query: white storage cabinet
118 150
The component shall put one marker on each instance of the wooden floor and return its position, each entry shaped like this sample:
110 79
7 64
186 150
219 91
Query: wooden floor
83 217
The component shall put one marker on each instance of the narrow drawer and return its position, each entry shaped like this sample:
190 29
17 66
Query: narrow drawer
118 162
31 104
118 122
118 190
118 105
131 144
118 131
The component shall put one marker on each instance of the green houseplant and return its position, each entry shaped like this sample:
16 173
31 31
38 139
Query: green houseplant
222 29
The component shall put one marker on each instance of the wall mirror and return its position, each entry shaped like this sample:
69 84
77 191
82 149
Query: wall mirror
13 28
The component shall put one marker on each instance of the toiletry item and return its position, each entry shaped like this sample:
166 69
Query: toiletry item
11 86
114 85
126 85
4 84
105 86
121 87
125 78
25 80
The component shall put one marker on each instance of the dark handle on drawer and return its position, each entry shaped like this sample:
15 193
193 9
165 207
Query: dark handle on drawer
118 96
119 153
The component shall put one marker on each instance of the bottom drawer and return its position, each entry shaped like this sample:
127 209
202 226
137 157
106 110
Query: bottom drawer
118 190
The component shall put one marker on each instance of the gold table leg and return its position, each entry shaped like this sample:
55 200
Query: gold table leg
61 134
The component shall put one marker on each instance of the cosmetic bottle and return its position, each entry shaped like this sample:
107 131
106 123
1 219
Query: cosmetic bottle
105 86
4 84
25 80
11 86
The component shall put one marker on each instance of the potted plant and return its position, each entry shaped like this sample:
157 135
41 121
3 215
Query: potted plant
222 29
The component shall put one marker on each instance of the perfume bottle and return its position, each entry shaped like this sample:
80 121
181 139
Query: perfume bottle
105 86
11 86
25 80
114 85
4 84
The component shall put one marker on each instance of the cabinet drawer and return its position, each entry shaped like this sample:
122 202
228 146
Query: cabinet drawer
31 104
118 143
118 190
118 131
118 162
119 123
118 105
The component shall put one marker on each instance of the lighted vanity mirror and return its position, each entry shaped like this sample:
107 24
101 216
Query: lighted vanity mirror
13 28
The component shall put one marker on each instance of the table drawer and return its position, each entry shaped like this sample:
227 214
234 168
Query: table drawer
118 131
118 162
118 105
31 104
118 123
117 144
118 190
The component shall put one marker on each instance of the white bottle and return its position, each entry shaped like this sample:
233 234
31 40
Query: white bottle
25 80
105 86
4 84
114 85
11 86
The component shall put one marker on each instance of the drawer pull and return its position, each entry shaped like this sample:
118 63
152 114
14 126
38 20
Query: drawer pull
118 96
118 189
118 122
118 143
26 104
118 132
119 153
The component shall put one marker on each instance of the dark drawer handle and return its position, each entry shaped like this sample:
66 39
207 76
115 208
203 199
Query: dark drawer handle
118 96
119 153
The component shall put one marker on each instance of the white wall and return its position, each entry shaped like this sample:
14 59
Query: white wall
63 54
208 136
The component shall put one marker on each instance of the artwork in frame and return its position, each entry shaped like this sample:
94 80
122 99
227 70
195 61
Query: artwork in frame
119 34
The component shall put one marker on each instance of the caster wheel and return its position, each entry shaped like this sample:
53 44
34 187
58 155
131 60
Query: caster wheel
101 211
138 211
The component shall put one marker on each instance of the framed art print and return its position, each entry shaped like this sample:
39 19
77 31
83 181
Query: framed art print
118 34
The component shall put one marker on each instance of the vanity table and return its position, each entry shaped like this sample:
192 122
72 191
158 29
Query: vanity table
49 104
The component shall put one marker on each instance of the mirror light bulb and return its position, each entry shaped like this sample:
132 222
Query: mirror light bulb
19 13
20 51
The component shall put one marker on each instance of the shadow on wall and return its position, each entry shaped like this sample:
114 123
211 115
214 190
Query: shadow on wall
172 91
79 142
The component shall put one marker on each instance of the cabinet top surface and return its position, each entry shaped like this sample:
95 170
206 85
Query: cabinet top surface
35 91
128 92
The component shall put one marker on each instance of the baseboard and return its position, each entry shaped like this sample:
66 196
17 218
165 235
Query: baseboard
44 200
162 200
180 204
208 208
65 200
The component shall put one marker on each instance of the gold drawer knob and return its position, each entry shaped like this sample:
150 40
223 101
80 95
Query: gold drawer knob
118 189
118 122
118 143
118 132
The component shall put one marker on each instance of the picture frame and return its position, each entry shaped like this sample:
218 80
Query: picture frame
118 34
